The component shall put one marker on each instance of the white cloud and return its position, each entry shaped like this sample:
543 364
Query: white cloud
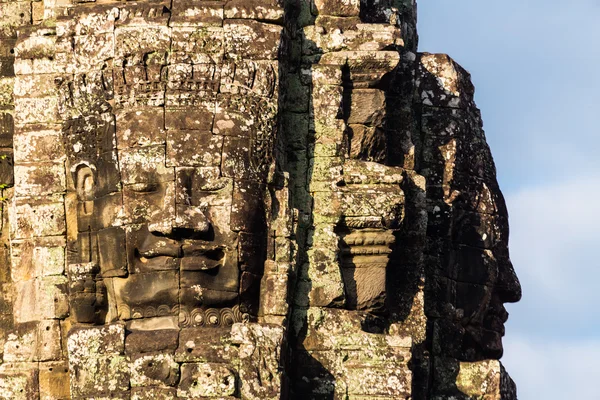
554 238
553 370
552 346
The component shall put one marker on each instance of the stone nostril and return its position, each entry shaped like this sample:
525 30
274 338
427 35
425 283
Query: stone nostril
510 293
191 218
163 227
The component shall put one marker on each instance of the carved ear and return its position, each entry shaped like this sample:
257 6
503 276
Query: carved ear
85 185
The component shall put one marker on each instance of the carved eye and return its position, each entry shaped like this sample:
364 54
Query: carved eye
144 187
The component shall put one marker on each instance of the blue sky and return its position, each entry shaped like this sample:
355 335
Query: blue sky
536 69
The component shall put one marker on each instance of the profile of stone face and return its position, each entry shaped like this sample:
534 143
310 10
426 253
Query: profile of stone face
467 259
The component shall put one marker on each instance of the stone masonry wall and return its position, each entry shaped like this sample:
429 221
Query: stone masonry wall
244 199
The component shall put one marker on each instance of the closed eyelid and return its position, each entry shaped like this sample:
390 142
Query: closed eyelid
144 187
213 185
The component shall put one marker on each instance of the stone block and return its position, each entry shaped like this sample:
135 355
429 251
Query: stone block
274 295
203 187
131 42
367 107
245 116
485 379
38 44
248 39
148 341
201 45
136 294
444 83
44 298
96 353
260 349
195 118
6 167
270 10
14 15
153 393
140 208
19 381
54 381
338 8
297 94
365 287
256 77
295 126
325 37
206 380
112 252
338 329
325 169
154 369
206 344
107 214
35 86
107 339
7 55
140 127
36 110
37 218
6 92
367 143
326 285
139 165
22 343
248 213
6 129
49 335
251 252
144 14
196 13
194 148
38 143
88 21
237 158
363 374
36 179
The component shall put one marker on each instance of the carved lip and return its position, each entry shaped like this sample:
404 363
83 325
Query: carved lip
161 249
495 320
193 256
202 257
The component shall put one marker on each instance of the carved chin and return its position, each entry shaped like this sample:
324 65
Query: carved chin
481 343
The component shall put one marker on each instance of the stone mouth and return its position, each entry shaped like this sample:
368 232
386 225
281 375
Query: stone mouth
192 257
494 320
160 249
201 263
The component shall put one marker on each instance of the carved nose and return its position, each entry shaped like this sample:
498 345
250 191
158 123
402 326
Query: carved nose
508 285
191 218
185 219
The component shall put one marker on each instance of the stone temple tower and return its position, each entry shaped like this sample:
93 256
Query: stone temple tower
244 199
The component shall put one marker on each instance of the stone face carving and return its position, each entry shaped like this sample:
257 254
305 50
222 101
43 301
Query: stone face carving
245 200
170 164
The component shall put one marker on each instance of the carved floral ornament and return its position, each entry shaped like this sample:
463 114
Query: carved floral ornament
245 200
